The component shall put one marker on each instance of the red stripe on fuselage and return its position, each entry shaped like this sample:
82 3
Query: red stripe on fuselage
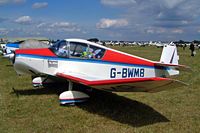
39 51
114 56
108 81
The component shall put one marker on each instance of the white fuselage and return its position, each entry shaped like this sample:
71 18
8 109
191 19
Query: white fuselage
92 69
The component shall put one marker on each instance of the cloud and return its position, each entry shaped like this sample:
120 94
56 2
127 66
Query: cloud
148 18
39 5
4 2
2 19
108 23
4 31
64 27
19 1
58 27
177 31
61 25
132 20
150 31
173 3
24 20
118 2
41 25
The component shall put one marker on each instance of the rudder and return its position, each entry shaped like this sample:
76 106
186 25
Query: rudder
169 54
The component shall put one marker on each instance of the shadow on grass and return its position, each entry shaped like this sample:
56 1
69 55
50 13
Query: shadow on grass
10 65
110 105
122 109
50 89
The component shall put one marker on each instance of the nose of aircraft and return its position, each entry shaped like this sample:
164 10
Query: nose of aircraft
21 65
12 58
31 61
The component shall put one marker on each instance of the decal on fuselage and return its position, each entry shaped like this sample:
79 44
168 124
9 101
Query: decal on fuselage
127 73
52 63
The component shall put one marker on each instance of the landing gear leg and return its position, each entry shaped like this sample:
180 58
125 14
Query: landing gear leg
72 97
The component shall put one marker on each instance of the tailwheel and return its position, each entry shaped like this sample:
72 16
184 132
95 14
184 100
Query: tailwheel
72 97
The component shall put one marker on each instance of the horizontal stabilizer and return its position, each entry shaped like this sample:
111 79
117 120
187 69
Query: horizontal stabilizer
176 67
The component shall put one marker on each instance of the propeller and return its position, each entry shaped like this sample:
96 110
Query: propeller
12 57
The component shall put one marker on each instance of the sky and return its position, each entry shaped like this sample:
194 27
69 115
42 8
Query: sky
127 20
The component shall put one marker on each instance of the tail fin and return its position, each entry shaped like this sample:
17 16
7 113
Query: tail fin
169 54
169 59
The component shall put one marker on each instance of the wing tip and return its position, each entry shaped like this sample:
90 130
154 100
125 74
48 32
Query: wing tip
173 83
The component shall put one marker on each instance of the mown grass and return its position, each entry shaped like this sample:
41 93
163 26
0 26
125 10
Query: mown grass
25 109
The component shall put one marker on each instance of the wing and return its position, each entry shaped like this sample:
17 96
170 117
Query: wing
125 85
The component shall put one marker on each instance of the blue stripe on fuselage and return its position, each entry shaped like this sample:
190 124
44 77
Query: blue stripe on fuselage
12 45
89 61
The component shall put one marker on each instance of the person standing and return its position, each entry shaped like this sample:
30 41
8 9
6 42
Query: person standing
184 46
192 48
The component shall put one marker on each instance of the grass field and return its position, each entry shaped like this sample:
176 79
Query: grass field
26 110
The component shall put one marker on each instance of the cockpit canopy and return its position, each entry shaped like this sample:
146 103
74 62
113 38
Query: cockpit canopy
73 49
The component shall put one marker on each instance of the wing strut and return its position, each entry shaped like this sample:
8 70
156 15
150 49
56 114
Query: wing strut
71 97
70 85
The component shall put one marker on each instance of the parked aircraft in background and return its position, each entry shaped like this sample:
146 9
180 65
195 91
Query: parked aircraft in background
2 47
90 64
9 48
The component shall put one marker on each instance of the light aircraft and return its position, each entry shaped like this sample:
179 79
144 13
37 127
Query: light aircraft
90 64
8 50
2 46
